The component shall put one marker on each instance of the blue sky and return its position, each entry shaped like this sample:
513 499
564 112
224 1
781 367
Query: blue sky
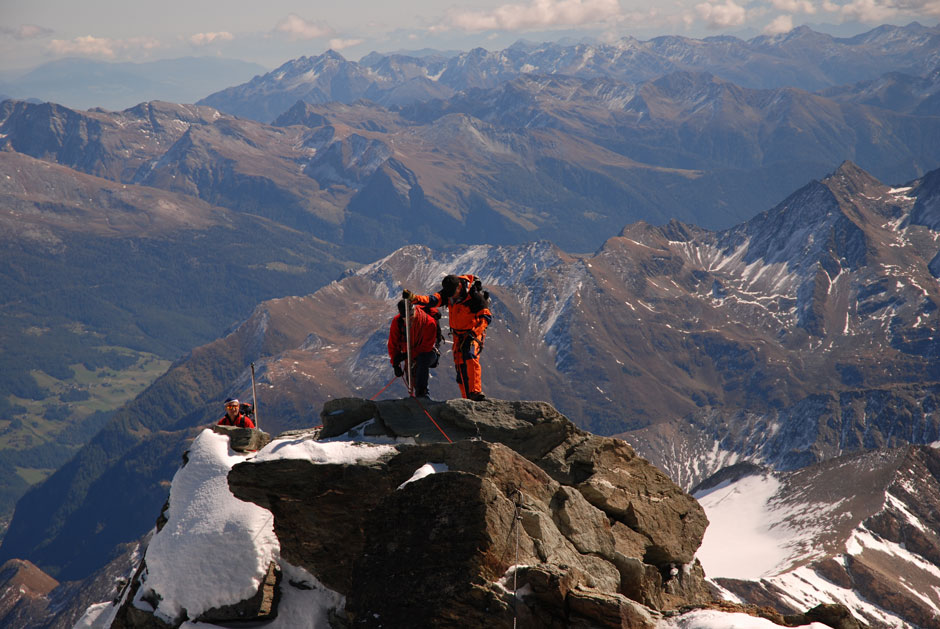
271 32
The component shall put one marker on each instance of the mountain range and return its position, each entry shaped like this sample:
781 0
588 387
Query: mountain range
105 283
711 331
801 58
282 208
517 159
702 348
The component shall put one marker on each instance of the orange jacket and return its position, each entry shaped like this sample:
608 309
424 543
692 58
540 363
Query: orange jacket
462 315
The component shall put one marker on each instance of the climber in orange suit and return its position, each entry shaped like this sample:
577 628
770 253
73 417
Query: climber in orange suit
468 316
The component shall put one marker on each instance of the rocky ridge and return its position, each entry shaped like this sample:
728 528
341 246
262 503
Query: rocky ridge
585 502
23 587
494 512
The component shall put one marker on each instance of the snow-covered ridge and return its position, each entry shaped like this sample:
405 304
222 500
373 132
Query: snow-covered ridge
214 549
807 532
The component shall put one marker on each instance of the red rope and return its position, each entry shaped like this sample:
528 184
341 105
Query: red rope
383 388
432 420
419 405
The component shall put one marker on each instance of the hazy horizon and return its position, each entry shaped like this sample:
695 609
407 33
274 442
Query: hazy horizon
272 33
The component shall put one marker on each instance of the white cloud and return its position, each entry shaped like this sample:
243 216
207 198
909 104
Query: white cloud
338 44
27 31
930 7
204 39
794 6
722 15
90 46
781 24
879 11
535 14
865 10
868 11
295 27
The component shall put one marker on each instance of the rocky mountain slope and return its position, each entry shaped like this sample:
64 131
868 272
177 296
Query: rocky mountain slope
522 519
801 58
860 530
701 348
896 91
103 278
523 159
23 588
34 600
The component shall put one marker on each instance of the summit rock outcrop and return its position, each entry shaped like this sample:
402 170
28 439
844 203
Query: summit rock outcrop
450 514
581 523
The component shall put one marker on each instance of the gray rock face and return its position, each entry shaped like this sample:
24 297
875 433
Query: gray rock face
244 439
593 534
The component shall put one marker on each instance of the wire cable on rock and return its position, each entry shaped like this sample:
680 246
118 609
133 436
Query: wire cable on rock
517 518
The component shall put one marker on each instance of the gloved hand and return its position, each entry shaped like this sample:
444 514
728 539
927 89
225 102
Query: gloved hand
407 294
399 372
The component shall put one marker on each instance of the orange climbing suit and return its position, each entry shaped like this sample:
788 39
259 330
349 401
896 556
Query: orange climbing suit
469 331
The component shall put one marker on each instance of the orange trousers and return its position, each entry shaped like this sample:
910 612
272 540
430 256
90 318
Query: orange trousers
467 362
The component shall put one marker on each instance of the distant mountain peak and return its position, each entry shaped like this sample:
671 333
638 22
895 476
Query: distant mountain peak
332 54
302 113
859 195
850 171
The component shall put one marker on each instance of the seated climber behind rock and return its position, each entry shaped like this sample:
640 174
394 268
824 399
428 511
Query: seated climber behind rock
469 315
234 416
425 335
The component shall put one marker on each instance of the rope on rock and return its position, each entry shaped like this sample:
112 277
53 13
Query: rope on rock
449 440
394 378
421 406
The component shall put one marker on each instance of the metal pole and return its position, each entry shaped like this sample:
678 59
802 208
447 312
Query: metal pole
254 397
411 389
